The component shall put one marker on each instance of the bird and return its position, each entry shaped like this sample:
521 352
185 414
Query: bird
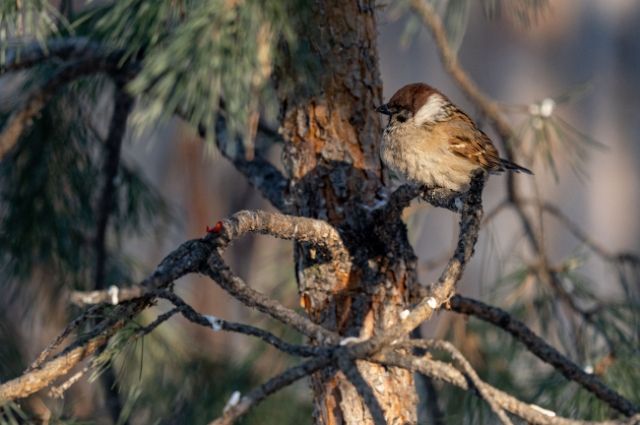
431 143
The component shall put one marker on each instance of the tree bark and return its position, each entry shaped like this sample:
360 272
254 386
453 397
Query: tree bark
331 155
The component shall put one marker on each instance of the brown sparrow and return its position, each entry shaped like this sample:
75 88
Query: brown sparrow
428 141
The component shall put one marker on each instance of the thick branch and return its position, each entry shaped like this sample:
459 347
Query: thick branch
289 227
543 351
315 232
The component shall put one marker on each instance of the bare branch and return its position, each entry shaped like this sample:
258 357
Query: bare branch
112 295
259 172
301 229
123 104
220 324
492 111
543 351
444 372
586 239
271 386
450 61
402 197
572 227
61 364
465 368
73 325
188 258
443 290
220 273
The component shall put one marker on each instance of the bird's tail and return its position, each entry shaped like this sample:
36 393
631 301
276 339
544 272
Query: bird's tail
512 166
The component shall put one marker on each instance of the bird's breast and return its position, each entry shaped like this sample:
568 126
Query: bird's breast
414 155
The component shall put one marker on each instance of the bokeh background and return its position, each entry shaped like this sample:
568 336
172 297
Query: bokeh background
184 374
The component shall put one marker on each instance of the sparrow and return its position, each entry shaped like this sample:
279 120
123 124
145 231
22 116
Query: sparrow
429 142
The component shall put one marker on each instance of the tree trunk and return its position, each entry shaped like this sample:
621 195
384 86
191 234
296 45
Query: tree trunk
331 155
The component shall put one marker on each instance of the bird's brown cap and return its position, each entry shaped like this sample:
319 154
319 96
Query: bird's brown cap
411 97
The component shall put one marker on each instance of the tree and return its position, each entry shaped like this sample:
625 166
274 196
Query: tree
219 66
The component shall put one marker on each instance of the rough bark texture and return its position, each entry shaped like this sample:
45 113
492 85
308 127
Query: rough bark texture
331 155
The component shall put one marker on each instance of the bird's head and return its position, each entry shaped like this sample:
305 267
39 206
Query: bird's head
417 104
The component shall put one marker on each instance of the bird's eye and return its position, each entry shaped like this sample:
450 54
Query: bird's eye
401 116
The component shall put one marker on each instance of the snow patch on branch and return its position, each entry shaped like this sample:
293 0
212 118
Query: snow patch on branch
113 292
215 323
233 400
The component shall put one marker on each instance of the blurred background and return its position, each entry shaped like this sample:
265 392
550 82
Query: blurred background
583 53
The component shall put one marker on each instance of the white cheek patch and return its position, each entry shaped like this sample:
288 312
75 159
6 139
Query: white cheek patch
430 110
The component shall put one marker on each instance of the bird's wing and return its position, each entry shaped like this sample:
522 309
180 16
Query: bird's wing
468 141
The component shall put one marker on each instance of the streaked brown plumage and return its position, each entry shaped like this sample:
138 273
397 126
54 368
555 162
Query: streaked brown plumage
430 142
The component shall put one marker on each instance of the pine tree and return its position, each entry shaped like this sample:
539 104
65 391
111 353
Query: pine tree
235 70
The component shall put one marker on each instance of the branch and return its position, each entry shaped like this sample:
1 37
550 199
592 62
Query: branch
288 227
73 325
113 295
62 49
188 258
19 121
60 390
220 324
271 386
402 197
61 364
301 229
543 351
258 171
579 234
450 61
221 274
123 103
443 290
466 368
491 110
444 372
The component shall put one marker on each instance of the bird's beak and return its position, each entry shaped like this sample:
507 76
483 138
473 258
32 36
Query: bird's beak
383 109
